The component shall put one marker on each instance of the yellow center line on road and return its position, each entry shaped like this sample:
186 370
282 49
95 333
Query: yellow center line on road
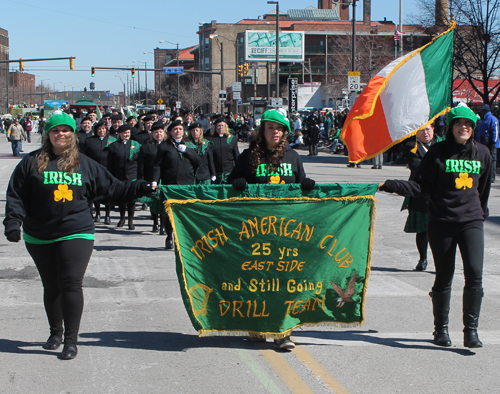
285 372
318 370
292 379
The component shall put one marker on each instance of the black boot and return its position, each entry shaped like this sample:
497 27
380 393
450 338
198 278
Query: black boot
422 265
131 210
441 309
154 217
163 231
472 306
121 222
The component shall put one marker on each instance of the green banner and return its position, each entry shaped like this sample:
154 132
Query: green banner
272 258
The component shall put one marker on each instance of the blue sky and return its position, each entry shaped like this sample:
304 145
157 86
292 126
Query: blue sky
116 33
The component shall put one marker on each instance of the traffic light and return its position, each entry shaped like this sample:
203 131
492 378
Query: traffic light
133 72
92 72
21 65
71 64
240 70
246 66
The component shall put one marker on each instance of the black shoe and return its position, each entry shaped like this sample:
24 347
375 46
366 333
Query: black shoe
376 167
155 228
121 222
69 352
351 165
131 226
163 232
97 218
442 337
422 265
53 343
471 340
107 220
168 243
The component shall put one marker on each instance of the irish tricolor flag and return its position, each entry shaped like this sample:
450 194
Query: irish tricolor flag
407 95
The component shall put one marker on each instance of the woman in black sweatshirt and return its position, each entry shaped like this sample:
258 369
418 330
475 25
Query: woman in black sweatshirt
48 194
269 159
455 173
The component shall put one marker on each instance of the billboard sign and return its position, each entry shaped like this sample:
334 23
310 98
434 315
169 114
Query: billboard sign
260 45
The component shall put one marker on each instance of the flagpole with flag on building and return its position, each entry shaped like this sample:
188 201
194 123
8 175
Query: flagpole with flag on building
404 97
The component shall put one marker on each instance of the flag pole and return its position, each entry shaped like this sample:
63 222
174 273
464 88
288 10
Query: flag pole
401 24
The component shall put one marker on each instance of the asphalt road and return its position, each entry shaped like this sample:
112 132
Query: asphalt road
136 336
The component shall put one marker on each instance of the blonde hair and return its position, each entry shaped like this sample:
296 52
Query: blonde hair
69 161
226 129
199 140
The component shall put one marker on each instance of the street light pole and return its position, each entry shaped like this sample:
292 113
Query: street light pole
353 63
277 47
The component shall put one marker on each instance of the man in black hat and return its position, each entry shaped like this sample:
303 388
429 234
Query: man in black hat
487 134
154 114
116 122
146 133
84 132
107 118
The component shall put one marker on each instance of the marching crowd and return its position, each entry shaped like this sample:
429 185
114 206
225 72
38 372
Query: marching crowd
117 161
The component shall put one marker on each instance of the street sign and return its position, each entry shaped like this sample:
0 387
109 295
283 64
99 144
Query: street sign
173 70
159 101
222 95
110 94
354 81
236 95
236 86
276 102
161 107
178 104
239 102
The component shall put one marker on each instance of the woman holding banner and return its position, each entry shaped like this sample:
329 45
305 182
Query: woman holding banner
49 194
456 173
269 159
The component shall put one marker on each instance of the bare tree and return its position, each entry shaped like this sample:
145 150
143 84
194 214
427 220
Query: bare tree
194 92
477 42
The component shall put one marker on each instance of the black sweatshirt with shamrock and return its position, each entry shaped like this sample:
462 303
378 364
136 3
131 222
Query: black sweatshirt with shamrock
55 204
458 188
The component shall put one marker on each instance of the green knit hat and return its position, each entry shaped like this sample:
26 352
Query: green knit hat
461 112
58 119
278 116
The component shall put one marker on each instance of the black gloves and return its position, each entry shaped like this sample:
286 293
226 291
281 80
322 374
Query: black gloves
239 184
146 189
307 184
13 236
389 187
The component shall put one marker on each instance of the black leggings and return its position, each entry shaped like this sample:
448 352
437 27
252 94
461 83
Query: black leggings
443 240
62 266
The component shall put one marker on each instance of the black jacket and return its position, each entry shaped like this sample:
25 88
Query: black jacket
225 153
82 139
97 149
148 156
141 137
458 188
177 168
54 204
291 169
122 159
207 168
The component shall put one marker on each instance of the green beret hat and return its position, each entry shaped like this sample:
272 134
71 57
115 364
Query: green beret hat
461 112
58 119
278 116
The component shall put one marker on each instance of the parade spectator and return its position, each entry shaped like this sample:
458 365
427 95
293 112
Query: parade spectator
60 237
265 162
15 134
456 173
487 134
28 127
418 207
204 123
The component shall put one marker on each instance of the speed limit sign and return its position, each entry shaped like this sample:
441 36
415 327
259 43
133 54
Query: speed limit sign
354 81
